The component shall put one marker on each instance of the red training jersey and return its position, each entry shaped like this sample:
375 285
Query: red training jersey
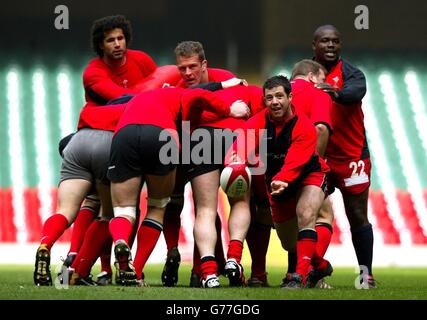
101 117
161 107
349 138
251 95
103 83
107 117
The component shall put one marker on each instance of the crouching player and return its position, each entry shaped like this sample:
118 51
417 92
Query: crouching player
295 174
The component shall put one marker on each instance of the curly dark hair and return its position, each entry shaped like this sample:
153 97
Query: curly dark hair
106 24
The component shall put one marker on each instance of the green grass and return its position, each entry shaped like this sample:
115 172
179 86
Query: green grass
394 283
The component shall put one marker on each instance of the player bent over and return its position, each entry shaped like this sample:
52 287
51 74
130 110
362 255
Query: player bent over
135 158
84 167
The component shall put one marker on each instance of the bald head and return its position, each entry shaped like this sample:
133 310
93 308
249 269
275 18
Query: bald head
327 27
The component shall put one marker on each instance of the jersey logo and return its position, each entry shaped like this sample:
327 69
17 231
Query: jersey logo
125 83
336 79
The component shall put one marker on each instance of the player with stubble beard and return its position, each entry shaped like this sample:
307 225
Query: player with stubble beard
193 66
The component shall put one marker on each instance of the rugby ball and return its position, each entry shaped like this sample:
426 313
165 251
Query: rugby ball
235 179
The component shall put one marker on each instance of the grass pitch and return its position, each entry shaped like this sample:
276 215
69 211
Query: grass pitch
16 282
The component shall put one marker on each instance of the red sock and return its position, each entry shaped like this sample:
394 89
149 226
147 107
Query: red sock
120 229
106 257
324 235
172 221
96 238
235 249
148 235
258 238
208 266
83 221
53 228
306 246
86 243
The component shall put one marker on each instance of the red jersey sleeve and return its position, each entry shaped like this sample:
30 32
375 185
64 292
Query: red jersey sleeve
203 100
145 63
219 75
304 139
167 74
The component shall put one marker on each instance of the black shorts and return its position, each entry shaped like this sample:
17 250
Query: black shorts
137 150
208 152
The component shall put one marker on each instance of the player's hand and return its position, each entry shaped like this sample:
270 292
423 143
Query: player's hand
166 85
326 87
239 109
233 82
277 187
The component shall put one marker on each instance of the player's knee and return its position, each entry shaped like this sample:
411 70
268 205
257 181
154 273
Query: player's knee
357 222
287 233
357 218
92 201
306 218
128 213
158 203
325 213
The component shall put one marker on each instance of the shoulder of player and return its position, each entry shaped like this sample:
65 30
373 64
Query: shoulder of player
320 94
308 90
94 62
348 68
95 67
216 74
298 85
258 120
137 55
